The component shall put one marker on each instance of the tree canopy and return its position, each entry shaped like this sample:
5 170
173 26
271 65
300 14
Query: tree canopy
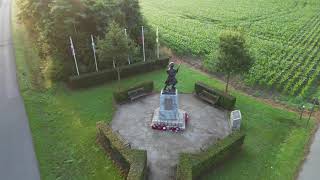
115 46
51 22
232 56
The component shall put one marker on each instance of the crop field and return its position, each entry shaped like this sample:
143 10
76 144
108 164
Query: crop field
283 36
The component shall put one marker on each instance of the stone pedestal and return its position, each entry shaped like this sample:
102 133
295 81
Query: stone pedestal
168 115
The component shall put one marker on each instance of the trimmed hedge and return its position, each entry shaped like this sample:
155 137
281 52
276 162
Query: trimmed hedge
132 162
122 95
192 166
184 167
226 101
97 78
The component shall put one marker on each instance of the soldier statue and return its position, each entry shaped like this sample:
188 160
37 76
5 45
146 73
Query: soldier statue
171 80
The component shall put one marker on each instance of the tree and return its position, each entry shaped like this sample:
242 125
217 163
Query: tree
115 47
51 22
232 56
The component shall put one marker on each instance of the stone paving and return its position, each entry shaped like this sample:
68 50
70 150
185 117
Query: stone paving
207 124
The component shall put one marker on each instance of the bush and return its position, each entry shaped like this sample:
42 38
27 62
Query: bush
226 101
184 167
122 95
192 166
97 78
216 153
133 162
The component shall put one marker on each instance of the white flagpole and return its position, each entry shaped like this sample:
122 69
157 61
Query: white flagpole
94 52
158 45
125 32
144 53
74 55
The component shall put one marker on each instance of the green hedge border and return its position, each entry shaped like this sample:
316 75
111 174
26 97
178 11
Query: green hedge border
132 162
192 166
121 96
225 101
98 78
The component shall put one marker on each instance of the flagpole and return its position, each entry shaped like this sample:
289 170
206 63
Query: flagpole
144 53
158 54
125 32
94 52
74 56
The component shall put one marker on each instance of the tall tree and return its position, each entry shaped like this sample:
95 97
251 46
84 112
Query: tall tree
232 56
115 47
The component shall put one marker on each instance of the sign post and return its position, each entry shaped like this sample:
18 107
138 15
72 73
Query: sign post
74 55
94 52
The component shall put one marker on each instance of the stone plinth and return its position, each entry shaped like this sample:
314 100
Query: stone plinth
169 104
168 114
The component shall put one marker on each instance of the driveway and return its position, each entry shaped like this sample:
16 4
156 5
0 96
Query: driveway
17 156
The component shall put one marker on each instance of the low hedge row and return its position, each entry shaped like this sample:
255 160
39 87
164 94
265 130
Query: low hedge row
121 96
226 101
192 166
97 78
132 162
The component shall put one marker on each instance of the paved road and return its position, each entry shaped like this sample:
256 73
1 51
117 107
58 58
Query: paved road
17 157
310 169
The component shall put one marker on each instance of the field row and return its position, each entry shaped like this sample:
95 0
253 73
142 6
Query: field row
283 36
294 68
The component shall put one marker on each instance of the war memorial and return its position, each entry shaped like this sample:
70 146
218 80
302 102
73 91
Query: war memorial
164 125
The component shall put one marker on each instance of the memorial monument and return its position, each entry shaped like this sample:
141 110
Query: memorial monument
168 116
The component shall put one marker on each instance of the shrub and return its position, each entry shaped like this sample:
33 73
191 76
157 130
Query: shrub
97 78
216 153
226 101
192 166
121 96
184 167
133 162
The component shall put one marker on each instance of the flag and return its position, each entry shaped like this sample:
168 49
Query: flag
93 44
157 35
94 52
74 55
72 47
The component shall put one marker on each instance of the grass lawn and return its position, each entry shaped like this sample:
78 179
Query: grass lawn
63 126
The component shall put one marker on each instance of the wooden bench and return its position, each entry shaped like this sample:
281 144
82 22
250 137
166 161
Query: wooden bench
136 93
208 97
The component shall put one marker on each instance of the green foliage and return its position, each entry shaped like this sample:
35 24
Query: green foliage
52 22
216 154
282 37
114 47
184 167
132 161
121 96
193 166
276 138
98 78
232 56
225 100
